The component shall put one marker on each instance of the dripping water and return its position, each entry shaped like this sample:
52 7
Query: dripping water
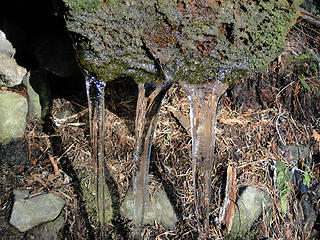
95 94
204 99
150 97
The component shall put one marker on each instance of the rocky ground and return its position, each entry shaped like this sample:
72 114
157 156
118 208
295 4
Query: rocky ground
268 138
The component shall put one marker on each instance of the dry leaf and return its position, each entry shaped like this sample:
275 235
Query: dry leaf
316 135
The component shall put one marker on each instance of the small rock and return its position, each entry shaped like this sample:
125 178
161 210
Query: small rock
159 209
11 74
248 210
6 47
33 100
13 116
27 213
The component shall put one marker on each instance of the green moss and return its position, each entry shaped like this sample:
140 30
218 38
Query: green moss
89 195
88 5
283 184
157 39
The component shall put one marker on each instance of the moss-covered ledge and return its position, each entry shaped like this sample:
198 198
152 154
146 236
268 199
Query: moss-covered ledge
189 40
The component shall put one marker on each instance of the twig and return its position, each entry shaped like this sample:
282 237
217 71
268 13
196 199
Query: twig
278 94
283 142
55 166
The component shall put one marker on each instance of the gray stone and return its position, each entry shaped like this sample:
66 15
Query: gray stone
11 74
13 114
159 209
20 194
248 209
28 213
48 230
5 46
33 100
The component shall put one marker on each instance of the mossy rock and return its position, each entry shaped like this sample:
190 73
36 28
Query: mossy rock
157 209
194 41
87 185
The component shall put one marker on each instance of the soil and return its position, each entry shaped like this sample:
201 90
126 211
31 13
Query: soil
258 116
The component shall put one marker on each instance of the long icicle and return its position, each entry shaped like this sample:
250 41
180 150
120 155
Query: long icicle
95 94
204 99
150 97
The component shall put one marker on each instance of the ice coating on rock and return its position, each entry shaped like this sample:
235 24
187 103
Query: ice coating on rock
190 40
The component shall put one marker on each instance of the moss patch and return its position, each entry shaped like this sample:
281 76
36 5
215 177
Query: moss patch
87 5
89 196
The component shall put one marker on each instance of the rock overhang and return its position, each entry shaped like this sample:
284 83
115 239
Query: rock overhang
188 40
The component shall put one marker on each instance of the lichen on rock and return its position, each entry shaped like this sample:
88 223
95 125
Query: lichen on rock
194 41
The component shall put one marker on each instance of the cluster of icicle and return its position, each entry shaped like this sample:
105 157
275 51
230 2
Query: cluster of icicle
204 99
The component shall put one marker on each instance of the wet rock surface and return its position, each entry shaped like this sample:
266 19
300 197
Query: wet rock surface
194 41
29 212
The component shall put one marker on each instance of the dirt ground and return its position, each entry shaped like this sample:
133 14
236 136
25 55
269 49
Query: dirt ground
257 118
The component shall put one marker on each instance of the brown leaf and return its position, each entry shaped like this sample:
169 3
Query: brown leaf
316 135
35 160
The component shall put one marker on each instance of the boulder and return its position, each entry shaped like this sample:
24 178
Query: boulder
194 41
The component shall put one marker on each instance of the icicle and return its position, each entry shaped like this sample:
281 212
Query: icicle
204 99
95 94
150 97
